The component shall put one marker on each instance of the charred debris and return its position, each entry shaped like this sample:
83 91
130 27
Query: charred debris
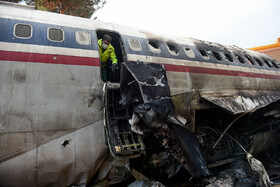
153 143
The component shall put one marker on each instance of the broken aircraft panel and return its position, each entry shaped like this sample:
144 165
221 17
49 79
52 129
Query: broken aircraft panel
148 80
155 107
237 102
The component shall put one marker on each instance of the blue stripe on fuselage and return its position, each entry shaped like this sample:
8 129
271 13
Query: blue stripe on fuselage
39 36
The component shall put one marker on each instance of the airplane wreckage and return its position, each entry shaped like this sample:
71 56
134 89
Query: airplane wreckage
179 111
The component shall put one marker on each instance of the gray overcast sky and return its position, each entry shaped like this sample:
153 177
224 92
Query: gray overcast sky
245 23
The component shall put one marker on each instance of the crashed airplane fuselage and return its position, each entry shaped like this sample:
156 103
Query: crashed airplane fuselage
54 104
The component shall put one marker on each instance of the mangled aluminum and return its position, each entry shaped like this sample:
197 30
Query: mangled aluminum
237 102
242 173
144 86
256 169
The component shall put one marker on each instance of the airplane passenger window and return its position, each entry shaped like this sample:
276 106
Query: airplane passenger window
267 63
55 34
23 31
240 59
189 52
83 37
250 60
204 54
275 64
172 50
228 56
217 55
134 44
154 47
259 62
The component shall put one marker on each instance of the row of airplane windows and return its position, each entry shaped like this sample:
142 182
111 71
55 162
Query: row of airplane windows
25 31
242 59
205 54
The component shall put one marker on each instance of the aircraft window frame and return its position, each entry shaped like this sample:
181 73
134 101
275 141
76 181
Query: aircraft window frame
204 54
48 34
239 58
217 55
21 37
189 52
132 42
250 60
258 61
154 46
268 63
275 64
172 49
86 35
228 57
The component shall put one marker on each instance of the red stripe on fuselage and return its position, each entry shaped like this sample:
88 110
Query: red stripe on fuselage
48 58
89 61
202 70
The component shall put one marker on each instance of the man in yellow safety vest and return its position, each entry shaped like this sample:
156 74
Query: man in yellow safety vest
107 55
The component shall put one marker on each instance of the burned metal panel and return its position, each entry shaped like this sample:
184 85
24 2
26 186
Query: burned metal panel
186 105
148 80
241 101
186 102
154 106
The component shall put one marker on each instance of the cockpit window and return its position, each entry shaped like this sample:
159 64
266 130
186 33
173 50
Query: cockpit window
23 31
172 50
134 44
55 34
154 47
83 37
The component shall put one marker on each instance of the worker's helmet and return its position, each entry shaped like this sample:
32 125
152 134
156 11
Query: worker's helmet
107 38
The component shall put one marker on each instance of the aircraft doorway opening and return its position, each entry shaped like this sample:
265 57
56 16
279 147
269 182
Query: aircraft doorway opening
108 73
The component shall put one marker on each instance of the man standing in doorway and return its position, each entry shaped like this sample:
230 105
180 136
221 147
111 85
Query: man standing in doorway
107 55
